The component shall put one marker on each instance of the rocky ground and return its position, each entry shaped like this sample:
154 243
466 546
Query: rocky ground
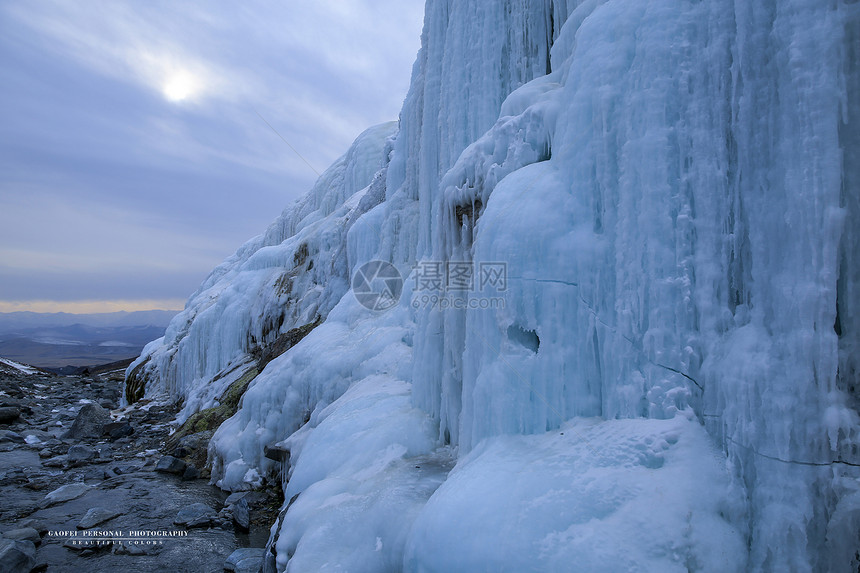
86 486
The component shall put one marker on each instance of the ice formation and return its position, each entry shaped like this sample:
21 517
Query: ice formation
667 379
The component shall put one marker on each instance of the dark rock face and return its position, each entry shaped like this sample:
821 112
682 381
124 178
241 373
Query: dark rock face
89 423
16 556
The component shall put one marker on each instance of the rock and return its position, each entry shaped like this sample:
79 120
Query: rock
9 414
38 483
104 453
180 452
118 430
234 497
245 560
276 452
95 516
170 465
196 441
89 422
16 556
24 534
6 401
121 470
36 524
190 473
66 493
195 515
96 474
10 436
80 454
242 514
125 548
56 462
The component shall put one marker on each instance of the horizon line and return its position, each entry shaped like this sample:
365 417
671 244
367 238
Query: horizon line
92 306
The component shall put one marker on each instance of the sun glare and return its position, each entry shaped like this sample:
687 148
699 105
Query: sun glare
179 86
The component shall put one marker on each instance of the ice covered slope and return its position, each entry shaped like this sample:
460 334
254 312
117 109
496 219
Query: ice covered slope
285 279
666 380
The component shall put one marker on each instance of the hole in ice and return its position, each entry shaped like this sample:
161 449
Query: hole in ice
526 338
467 214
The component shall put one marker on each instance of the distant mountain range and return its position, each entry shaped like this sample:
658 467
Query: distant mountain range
58 340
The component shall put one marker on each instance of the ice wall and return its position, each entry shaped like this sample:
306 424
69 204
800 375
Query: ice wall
681 246
671 382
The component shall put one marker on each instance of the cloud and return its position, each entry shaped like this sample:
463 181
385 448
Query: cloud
130 132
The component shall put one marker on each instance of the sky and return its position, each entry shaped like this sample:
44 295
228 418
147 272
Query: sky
137 148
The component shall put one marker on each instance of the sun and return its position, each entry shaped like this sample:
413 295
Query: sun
179 86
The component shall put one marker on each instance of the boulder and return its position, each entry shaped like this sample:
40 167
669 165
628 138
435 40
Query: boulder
10 436
170 465
89 422
9 414
195 515
80 454
16 556
65 493
245 560
190 473
96 516
234 497
242 514
24 534
117 430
